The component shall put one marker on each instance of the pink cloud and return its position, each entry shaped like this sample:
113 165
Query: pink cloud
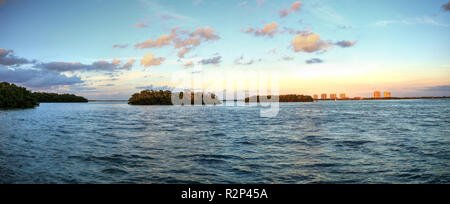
189 65
205 33
141 25
296 6
162 41
268 30
150 60
309 43
183 52
183 41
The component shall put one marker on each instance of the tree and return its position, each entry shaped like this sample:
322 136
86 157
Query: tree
281 98
12 96
151 97
59 98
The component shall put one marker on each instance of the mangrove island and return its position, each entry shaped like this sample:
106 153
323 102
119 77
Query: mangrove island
152 97
12 97
292 98
58 98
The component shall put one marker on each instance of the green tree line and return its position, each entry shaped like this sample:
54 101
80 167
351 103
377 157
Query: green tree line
12 96
282 98
58 98
152 97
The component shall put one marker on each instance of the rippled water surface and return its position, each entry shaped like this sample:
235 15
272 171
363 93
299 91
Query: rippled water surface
327 142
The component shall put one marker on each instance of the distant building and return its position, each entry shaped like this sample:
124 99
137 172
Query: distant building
324 96
342 96
333 96
387 94
377 94
316 97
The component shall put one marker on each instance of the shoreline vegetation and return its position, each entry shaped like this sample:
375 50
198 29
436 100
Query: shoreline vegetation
382 99
16 97
292 98
152 97
58 98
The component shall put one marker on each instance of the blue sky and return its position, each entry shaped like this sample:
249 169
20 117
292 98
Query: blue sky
399 46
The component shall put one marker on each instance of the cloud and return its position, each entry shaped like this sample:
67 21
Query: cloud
101 65
8 59
189 42
189 65
162 10
215 60
120 46
314 61
183 41
129 64
446 6
240 61
295 7
150 60
345 43
284 13
268 30
295 32
171 16
183 52
205 33
108 85
288 58
309 43
141 25
412 21
162 41
153 87
37 78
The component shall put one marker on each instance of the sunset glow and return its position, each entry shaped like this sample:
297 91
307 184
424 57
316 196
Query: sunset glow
111 49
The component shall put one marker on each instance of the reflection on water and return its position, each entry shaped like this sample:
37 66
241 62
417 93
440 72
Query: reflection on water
339 142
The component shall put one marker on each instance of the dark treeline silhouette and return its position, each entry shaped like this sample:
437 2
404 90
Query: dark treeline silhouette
295 98
12 96
152 97
281 98
58 98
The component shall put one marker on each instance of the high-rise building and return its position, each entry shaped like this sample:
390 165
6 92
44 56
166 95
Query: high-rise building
342 96
333 96
324 96
387 94
316 97
377 94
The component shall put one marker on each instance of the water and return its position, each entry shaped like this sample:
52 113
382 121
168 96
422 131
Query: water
404 141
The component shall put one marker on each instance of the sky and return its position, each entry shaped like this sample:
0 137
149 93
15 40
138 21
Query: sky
111 49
